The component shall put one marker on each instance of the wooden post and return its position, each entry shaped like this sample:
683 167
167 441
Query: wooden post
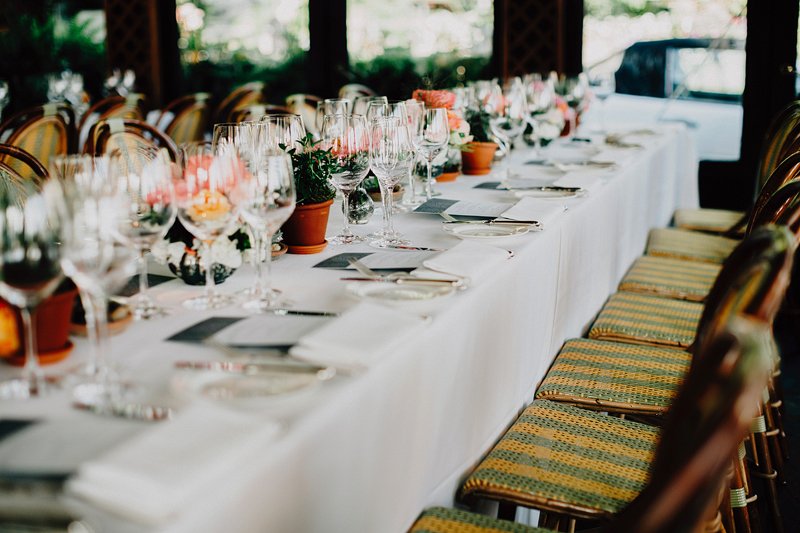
327 59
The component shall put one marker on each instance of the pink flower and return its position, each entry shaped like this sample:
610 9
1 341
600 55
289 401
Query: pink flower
434 99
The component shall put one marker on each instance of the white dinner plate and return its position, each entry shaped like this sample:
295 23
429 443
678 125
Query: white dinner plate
399 293
521 193
485 231
240 389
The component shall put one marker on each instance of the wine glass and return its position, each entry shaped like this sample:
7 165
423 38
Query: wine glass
430 140
95 257
415 110
265 199
508 122
204 206
144 178
361 104
348 139
331 106
391 154
540 98
283 129
602 85
29 269
385 108
573 90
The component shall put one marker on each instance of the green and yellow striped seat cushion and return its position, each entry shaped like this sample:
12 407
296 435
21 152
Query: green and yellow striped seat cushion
615 376
711 220
689 245
670 278
645 319
561 458
443 520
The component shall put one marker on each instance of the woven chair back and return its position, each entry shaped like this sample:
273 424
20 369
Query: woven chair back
191 118
782 208
19 164
127 136
43 132
710 416
305 105
786 171
256 111
351 90
247 94
752 282
781 140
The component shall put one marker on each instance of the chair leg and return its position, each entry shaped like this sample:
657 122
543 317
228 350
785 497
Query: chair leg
765 471
773 441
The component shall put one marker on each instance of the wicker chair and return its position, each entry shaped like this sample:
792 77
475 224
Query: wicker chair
116 106
694 246
248 94
305 105
20 164
126 135
191 116
572 462
778 141
256 111
42 131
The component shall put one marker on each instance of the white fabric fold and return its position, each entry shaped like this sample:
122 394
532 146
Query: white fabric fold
543 211
160 473
586 181
358 339
467 259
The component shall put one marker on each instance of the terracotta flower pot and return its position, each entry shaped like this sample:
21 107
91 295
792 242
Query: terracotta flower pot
447 176
304 232
478 160
52 321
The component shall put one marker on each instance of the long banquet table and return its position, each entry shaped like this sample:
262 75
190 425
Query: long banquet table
369 450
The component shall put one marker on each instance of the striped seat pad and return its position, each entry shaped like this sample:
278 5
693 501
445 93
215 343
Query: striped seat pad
645 319
670 278
689 245
598 373
443 520
558 453
712 220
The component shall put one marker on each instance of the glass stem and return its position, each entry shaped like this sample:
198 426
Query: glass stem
258 243
429 183
209 264
388 207
266 265
32 372
143 282
412 193
384 194
346 207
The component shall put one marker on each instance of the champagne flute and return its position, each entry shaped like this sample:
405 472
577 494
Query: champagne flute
95 257
430 139
391 154
265 199
348 139
415 110
29 269
202 197
144 178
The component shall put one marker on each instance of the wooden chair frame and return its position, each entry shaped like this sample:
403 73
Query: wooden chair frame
101 132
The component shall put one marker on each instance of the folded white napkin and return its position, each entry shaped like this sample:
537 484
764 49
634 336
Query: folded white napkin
573 153
467 259
358 338
159 473
587 182
543 211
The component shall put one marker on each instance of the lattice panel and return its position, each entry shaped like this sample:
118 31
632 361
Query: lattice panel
132 42
533 36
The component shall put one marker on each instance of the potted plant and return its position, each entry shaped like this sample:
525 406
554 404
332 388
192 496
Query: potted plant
304 231
477 155
52 327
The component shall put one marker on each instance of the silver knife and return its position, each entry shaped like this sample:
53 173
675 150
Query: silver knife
300 312
555 188
496 222
409 280
131 411
253 368
413 248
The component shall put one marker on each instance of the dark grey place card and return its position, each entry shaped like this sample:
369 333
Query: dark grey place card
9 426
435 206
492 185
132 287
202 330
341 260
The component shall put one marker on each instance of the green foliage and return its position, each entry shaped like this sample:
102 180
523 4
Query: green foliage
631 8
312 172
34 47
478 120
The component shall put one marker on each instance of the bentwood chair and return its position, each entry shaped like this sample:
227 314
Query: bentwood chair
20 164
573 463
695 246
780 137
248 94
186 119
130 106
256 111
42 131
126 135
305 105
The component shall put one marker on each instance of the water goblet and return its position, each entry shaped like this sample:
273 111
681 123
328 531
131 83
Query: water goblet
29 269
348 139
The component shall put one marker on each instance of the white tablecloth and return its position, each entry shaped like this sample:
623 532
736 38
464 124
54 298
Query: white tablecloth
368 451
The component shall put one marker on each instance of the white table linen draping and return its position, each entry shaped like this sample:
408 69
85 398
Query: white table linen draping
368 451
